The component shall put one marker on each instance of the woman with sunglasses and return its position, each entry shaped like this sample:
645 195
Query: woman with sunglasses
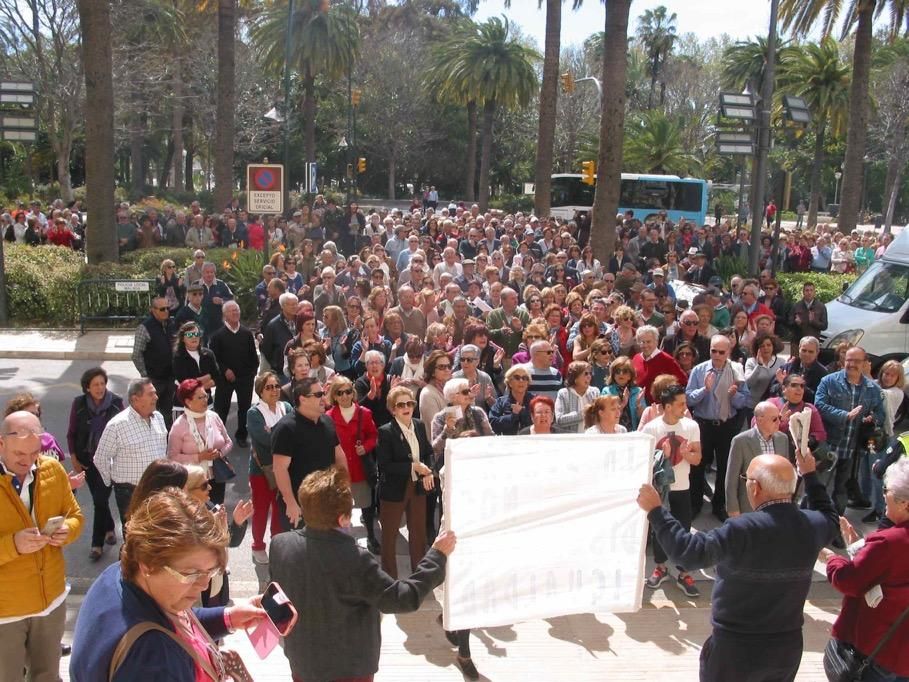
600 359
198 436
588 332
192 360
404 457
687 357
260 420
511 412
460 419
621 384
572 401
469 360
159 582
358 436
170 286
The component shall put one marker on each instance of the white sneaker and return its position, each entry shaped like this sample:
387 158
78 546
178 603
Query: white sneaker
260 556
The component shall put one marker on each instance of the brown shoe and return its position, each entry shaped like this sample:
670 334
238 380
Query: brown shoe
468 668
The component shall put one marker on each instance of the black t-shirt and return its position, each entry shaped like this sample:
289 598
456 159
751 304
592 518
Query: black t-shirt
310 445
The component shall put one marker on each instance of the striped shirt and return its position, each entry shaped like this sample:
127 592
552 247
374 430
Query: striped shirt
544 381
128 445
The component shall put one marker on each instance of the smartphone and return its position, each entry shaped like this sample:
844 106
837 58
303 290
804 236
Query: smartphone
278 608
53 524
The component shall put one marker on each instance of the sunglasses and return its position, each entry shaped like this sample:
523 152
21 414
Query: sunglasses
717 351
316 394
520 377
548 352
405 403
162 309
622 370
192 335
796 385
468 360
690 323
443 366
271 387
344 391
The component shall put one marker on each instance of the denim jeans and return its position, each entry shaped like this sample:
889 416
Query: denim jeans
875 673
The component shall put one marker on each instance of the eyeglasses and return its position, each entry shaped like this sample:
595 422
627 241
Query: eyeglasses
405 403
24 433
745 478
799 385
192 335
344 391
520 377
691 323
604 351
443 367
194 576
465 392
463 359
271 387
162 309
316 394
717 351
548 352
686 353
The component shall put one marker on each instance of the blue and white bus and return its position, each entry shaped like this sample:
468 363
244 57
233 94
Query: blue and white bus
643 195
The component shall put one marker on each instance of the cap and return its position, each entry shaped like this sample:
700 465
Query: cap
469 261
693 250
658 272
715 281
700 254
198 253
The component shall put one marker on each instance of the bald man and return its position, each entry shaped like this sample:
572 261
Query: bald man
33 490
764 561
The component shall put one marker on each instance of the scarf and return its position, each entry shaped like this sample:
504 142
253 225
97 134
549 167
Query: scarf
97 419
271 418
191 418
412 370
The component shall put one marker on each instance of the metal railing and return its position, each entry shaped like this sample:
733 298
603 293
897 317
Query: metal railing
114 300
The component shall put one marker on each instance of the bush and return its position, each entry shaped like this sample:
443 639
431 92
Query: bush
148 261
828 286
41 284
512 203
242 271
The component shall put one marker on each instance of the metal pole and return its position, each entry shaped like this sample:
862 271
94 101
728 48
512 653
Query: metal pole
353 145
353 171
774 250
4 310
740 211
288 48
760 165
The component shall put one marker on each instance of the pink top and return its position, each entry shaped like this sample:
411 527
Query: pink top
182 447
189 631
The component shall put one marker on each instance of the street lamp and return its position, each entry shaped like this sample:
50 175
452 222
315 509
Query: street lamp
836 188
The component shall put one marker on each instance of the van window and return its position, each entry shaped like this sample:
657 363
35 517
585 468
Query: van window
883 287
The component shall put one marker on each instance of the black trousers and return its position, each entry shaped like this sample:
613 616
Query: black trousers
680 508
123 494
751 659
103 520
716 437
166 390
224 391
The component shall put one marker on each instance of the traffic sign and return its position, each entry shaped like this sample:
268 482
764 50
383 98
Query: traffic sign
265 188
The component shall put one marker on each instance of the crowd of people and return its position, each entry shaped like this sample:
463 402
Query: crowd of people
381 336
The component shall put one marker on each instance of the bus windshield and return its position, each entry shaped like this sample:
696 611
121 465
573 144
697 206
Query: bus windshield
883 287
661 195
570 191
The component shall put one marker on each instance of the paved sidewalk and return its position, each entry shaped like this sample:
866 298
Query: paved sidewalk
66 344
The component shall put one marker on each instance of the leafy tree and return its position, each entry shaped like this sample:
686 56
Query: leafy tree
653 144
657 34
801 16
815 72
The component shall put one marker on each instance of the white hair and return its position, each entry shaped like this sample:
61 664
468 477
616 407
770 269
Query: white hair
896 478
373 355
809 340
287 297
453 387
230 304
328 270
772 484
645 330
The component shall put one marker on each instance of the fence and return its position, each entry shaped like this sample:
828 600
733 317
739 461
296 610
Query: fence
113 300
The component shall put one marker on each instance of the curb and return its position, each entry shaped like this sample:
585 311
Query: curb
65 355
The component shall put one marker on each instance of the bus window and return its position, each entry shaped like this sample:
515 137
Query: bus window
687 196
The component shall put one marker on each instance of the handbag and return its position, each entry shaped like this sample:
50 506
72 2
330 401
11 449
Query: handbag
268 470
222 471
842 663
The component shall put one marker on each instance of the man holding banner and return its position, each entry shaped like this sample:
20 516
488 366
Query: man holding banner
764 564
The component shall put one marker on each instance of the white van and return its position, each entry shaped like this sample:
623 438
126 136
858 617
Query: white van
874 311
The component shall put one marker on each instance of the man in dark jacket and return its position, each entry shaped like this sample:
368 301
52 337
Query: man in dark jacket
808 316
153 355
764 562
278 332
215 293
235 350
338 588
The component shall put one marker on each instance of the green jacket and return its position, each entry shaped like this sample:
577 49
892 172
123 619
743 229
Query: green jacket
502 332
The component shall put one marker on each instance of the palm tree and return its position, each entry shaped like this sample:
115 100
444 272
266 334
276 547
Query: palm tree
745 61
816 73
612 129
97 60
326 41
653 144
547 120
801 16
497 70
657 34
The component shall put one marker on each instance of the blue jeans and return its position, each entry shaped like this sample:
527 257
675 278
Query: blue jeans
875 673
864 473
877 497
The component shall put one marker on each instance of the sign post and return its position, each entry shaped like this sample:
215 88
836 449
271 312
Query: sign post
265 188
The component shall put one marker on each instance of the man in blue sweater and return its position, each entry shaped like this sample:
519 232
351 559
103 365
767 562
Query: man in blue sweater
764 561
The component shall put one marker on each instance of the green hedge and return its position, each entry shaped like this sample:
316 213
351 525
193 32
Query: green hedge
828 286
42 280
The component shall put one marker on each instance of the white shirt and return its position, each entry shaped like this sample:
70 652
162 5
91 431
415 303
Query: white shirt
687 429
411 437
128 445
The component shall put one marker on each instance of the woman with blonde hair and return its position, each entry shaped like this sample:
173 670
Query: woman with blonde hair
621 384
602 416
573 400
170 286
654 411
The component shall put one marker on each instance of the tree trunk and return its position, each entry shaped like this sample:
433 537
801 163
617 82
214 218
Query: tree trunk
309 117
190 144
101 238
817 163
391 174
137 147
177 122
612 130
548 98
489 115
224 123
893 195
63 173
165 167
853 166
470 168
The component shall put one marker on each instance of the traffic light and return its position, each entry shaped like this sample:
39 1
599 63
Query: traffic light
361 164
567 82
589 171
355 96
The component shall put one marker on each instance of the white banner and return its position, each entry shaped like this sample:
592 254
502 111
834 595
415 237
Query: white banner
547 526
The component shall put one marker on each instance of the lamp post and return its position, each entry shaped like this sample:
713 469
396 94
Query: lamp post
288 48
836 187
760 163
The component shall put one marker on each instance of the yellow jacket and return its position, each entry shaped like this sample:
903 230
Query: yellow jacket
30 582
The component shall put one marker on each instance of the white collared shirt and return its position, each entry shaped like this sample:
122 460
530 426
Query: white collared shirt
410 435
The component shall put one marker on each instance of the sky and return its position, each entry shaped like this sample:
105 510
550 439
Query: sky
740 19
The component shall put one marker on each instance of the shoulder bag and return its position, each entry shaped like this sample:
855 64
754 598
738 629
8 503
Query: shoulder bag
370 468
842 663
268 470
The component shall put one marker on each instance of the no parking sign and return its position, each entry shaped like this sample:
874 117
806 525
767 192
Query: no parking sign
265 187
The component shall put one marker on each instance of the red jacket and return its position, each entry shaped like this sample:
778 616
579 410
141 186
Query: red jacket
646 371
882 561
347 437
760 309
61 237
